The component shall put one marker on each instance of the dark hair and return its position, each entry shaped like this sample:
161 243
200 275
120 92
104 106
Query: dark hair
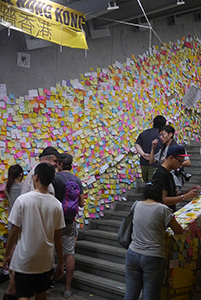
168 129
154 190
13 173
67 161
45 173
159 122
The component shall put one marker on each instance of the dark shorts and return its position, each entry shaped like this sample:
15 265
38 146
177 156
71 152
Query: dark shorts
27 284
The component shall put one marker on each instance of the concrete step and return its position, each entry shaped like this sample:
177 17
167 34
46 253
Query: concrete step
100 267
123 206
100 236
106 225
105 287
116 215
107 252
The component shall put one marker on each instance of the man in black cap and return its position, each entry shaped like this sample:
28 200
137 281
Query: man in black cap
49 155
174 159
68 233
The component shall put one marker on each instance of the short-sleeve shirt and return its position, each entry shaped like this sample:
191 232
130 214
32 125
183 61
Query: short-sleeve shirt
28 186
38 215
168 181
145 141
149 226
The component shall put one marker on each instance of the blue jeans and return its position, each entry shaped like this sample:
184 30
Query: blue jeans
143 272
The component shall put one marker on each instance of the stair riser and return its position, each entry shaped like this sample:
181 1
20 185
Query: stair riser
96 270
107 228
101 291
101 240
113 257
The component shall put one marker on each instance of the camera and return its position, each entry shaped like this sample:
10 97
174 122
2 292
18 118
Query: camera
182 172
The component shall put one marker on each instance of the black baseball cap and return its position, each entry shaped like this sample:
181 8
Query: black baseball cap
176 150
50 151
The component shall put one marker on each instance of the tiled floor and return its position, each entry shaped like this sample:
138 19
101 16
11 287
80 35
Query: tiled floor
56 293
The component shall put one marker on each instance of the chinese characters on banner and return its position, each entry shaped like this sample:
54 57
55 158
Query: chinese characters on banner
49 21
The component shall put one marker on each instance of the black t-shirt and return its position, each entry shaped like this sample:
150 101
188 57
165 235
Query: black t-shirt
145 141
167 179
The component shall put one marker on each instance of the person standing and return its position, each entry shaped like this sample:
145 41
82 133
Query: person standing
12 191
174 159
143 146
37 219
49 155
145 258
68 233
166 136
14 183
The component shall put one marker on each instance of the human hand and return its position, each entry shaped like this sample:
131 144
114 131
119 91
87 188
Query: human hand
198 187
59 272
193 193
6 262
146 156
154 143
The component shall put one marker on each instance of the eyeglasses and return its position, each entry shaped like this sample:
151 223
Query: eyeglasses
161 135
181 161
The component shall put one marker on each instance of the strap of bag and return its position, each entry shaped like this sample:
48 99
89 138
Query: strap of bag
133 207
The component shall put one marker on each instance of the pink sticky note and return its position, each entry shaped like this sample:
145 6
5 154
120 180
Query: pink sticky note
19 154
190 251
101 207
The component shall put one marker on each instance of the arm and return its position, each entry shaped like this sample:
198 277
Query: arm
141 152
12 240
178 198
186 163
81 200
59 251
151 158
176 227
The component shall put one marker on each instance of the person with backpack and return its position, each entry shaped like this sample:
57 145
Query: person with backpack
68 189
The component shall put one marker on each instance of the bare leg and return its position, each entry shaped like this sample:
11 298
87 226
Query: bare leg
70 265
11 287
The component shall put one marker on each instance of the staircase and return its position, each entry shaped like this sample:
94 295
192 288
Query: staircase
99 258
194 169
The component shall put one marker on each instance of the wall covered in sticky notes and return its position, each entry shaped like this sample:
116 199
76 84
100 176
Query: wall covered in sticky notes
98 118
182 279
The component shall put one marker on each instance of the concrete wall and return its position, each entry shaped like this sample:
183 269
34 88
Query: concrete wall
49 65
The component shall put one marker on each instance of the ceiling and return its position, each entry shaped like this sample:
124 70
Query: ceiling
99 18
130 11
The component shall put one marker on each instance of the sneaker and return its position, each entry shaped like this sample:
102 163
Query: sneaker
66 294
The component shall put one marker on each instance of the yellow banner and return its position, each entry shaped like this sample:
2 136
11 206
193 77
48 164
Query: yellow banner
45 20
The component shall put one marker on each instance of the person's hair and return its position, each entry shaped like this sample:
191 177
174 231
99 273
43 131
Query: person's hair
159 122
154 190
45 173
168 129
47 157
67 161
13 173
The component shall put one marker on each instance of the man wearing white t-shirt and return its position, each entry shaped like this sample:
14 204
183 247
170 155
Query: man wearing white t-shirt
37 219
